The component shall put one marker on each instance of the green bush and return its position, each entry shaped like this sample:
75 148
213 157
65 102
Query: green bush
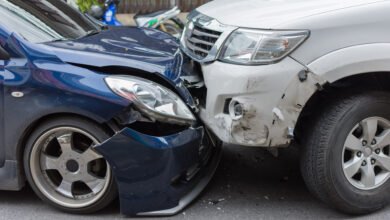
85 5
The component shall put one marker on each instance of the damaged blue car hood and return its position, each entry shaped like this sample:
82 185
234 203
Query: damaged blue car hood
148 50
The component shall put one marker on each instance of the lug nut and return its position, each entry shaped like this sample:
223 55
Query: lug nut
364 163
373 161
364 143
359 154
373 142
378 151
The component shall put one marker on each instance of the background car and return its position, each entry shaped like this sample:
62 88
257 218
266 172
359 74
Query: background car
87 113
314 74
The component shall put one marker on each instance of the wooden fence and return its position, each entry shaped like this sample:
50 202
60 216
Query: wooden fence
135 6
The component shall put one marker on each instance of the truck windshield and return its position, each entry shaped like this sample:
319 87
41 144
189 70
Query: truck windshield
41 21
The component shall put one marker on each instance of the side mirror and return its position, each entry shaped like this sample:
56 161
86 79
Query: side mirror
4 55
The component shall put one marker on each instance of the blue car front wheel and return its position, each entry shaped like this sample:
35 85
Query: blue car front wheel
63 168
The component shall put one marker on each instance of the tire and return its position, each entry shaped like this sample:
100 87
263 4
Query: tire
64 171
328 154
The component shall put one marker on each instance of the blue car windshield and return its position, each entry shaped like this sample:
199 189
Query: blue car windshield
41 21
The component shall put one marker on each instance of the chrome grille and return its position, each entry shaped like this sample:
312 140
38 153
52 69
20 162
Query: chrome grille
203 37
201 41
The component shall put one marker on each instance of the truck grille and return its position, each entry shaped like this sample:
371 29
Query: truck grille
201 41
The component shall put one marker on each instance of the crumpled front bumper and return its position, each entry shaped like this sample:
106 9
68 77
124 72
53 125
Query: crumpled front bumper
160 175
268 100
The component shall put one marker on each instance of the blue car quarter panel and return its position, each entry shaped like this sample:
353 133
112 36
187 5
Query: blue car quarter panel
160 175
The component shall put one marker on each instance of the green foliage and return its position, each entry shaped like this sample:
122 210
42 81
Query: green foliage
85 5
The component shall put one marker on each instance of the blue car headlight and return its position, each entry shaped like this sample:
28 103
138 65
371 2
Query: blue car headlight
154 100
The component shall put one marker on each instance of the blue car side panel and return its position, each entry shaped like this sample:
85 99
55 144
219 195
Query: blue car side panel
154 163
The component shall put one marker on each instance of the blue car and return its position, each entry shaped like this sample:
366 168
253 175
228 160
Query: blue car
90 113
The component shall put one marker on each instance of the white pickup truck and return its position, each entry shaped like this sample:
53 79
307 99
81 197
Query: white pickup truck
311 72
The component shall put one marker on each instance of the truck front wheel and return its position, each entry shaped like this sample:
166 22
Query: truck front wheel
346 156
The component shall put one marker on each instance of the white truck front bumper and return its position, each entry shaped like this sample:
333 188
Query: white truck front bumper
255 105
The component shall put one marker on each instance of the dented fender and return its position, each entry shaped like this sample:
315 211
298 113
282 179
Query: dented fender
291 104
256 105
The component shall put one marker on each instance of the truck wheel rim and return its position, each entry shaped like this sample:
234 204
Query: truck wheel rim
366 157
67 170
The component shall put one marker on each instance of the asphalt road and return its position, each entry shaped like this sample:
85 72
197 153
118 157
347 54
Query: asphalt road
249 184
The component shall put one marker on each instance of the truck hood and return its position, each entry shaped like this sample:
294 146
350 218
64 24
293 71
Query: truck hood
270 14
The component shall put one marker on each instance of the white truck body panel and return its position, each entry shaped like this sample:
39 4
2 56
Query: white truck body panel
347 37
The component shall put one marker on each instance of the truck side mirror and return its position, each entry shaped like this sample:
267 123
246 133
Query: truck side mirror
4 55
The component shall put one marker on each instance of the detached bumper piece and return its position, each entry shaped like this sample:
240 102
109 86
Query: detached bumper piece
160 175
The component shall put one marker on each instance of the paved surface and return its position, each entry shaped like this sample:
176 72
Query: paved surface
249 184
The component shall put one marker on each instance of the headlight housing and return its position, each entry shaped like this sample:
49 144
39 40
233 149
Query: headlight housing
152 99
254 47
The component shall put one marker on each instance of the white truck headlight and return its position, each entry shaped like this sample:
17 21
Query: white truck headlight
254 47
152 99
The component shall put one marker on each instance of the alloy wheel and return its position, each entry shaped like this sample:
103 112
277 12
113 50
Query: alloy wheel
66 168
366 157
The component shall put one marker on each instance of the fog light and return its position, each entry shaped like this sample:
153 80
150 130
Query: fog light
236 110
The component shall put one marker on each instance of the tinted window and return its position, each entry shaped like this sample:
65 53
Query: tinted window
44 20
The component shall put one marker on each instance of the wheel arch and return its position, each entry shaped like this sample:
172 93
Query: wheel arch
354 60
360 82
363 66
